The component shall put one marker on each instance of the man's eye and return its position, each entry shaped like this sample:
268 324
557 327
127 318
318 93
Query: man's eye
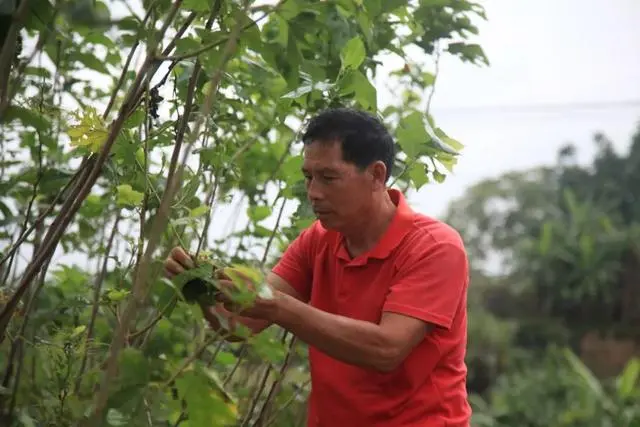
329 178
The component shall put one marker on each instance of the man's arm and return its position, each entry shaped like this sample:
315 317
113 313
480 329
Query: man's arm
425 294
380 346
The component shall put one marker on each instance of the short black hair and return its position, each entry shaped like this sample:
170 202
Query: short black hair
364 138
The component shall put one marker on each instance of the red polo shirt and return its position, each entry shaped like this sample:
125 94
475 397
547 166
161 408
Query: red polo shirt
418 268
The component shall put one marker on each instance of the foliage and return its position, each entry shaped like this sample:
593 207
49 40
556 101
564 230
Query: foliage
131 127
560 391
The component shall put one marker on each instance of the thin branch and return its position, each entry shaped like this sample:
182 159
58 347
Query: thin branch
275 386
24 234
189 360
97 289
285 405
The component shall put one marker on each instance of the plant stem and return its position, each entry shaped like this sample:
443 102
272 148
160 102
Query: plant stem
275 386
97 289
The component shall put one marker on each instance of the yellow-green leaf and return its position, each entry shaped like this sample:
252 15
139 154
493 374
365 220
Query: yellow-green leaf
199 211
127 196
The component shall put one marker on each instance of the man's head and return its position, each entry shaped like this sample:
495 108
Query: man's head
348 157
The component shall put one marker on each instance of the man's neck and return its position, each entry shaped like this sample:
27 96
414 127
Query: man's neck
373 226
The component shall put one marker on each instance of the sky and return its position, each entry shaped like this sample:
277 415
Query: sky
560 70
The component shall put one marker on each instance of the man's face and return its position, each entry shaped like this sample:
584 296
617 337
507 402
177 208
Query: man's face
340 193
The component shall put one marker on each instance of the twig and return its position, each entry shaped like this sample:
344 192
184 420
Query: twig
196 353
287 403
114 93
97 289
24 234
25 322
276 383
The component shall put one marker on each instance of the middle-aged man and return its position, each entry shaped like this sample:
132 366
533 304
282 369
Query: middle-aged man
377 291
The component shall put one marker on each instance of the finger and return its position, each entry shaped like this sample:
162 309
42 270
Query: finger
219 274
172 267
181 256
227 286
234 276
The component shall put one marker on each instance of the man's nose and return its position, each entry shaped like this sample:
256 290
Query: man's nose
314 191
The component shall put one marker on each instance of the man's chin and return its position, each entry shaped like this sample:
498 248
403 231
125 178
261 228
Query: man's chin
327 222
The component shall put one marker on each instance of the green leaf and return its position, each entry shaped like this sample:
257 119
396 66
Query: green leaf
363 91
27 117
225 358
133 368
592 383
127 196
289 9
135 119
412 135
91 62
418 175
277 31
353 53
90 132
116 418
199 211
25 419
258 213
628 379
205 404
300 91
469 52
198 5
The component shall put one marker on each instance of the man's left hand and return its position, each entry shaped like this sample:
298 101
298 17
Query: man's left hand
259 308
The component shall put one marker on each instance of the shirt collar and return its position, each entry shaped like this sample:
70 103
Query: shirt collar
401 224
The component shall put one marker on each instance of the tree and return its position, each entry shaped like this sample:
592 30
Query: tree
126 128
569 235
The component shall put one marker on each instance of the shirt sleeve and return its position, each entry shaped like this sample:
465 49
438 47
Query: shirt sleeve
430 286
296 264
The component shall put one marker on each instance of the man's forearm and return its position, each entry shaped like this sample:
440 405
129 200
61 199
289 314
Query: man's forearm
352 341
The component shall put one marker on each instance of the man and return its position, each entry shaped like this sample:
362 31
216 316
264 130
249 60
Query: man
376 290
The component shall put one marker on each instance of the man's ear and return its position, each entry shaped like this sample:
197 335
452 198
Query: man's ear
378 171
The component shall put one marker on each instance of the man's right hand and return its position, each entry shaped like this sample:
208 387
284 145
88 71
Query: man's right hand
177 262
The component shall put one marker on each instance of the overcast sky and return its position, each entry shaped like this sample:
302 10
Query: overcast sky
581 55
